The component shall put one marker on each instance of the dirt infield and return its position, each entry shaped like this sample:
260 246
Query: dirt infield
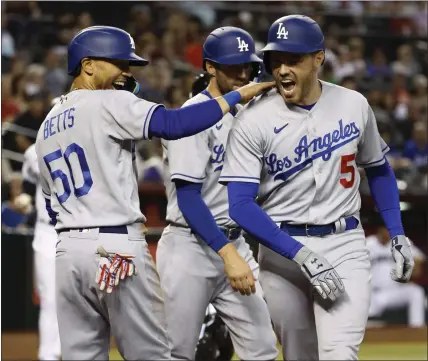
23 346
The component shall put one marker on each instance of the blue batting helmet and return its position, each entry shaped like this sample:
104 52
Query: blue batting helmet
103 42
293 34
230 46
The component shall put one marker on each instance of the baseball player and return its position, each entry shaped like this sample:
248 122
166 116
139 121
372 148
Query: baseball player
202 249
44 243
296 148
214 337
387 294
86 155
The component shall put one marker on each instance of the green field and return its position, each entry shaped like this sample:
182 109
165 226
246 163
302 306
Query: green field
370 351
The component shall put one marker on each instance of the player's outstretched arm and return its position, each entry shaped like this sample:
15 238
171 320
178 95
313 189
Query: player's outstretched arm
201 221
173 124
384 190
245 212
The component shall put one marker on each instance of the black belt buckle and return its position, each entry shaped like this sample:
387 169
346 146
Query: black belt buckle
307 230
232 233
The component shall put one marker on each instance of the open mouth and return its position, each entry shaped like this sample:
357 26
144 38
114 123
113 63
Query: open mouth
119 84
288 86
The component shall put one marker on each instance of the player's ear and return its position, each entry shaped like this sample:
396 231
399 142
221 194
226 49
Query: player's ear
87 65
319 58
210 68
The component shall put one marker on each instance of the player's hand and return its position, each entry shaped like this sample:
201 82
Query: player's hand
238 271
112 268
320 273
404 263
250 90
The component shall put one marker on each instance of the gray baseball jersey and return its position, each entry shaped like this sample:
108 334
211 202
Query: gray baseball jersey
86 155
305 161
203 166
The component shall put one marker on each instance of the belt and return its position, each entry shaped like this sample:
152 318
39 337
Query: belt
104 229
310 230
231 234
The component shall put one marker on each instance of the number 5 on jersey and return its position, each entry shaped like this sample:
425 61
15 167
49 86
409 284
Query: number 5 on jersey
346 167
58 173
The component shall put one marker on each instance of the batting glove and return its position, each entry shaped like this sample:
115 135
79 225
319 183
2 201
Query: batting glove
404 263
112 268
320 273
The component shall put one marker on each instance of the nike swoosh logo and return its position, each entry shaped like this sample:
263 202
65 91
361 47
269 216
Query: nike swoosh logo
278 130
219 126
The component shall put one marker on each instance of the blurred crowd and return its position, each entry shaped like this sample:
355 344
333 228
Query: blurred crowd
378 48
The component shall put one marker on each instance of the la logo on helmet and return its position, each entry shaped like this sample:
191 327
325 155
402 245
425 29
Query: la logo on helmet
242 45
132 41
282 32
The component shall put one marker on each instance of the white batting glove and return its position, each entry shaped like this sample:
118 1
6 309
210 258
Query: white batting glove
320 273
112 268
404 263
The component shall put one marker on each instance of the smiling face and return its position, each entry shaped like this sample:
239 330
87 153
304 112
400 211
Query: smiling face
230 77
105 74
296 75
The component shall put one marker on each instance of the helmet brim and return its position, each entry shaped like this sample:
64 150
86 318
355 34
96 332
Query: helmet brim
234 59
290 47
135 60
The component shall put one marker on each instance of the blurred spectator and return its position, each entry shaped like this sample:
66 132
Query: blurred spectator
401 96
9 108
420 18
344 66
84 20
419 100
140 20
356 55
405 64
204 11
18 92
378 67
175 97
327 72
388 294
18 140
147 45
7 45
349 82
56 78
416 149
193 51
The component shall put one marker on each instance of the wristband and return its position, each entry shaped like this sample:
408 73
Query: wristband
232 98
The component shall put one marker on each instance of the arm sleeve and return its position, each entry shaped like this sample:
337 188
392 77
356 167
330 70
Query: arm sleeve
384 190
46 192
179 123
244 158
128 116
245 212
198 216
372 148
30 167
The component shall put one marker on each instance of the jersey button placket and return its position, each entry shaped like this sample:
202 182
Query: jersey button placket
316 169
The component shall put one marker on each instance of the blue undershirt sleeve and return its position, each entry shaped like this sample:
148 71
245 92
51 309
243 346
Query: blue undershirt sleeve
248 215
197 214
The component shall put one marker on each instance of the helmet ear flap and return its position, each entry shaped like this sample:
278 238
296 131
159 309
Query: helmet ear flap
257 71
266 62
